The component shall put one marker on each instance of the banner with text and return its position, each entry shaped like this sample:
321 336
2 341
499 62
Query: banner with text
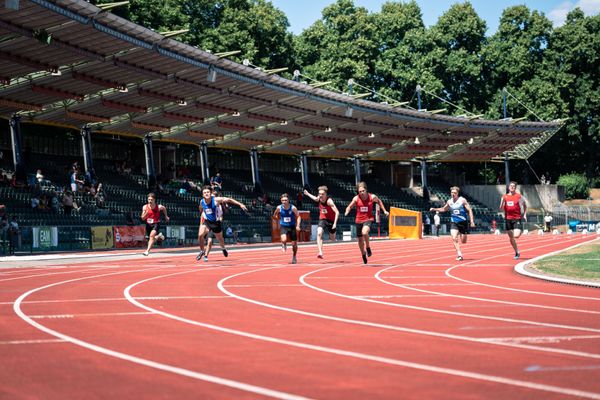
129 236
102 237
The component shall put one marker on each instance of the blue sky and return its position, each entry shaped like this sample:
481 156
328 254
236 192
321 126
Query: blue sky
302 14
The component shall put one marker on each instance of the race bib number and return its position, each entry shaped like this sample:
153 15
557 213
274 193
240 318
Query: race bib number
364 209
287 219
324 211
510 203
456 212
208 211
150 220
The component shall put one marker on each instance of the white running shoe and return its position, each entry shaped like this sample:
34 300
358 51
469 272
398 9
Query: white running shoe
145 253
459 258
160 236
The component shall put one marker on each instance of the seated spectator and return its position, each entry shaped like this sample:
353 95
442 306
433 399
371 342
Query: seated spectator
43 206
35 203
67 202
76 183
54 203
217 182
100 197
39 176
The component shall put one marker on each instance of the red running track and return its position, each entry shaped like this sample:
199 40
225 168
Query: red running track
412 324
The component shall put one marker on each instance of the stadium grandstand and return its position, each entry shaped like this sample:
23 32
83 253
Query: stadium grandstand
137 110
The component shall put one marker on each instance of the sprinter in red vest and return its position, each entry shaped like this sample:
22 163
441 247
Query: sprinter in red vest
151 216
515 212
365 217
328 216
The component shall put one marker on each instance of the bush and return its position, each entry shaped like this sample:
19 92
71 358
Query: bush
595 184
576 186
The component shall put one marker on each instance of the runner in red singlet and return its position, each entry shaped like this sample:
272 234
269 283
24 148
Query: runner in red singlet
151 216
328 216
364 203
515 212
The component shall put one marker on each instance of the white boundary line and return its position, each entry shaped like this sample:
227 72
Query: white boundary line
520 269
149 363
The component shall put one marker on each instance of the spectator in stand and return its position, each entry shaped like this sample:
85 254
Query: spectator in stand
299 198
39 176
217 182
437 223
3 220
13 235
67 202
427 224
75 181
43 206
35 202
54 203
100 197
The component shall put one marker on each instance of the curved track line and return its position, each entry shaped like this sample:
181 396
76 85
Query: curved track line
379 278
363 356
142 361
394 327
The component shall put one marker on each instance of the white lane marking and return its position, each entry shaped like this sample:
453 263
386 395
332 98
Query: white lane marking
539 368
265 285
393 296
142 361
363 356
115 299
519 304
31 341
68 316
448 272
541 339
394 327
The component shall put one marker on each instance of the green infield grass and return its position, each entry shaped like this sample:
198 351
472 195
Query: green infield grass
582 262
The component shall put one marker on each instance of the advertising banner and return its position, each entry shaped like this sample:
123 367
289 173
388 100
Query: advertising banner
102 237
129 236
45 237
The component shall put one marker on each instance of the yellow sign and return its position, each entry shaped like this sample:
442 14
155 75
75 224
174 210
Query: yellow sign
405 224
102 237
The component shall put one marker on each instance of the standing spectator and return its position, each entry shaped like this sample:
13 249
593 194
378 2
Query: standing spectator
493 226
100 197
75 182
427 224
548 223
13 235
437 223
35 202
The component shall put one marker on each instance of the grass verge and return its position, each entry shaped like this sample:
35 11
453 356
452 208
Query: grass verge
582 262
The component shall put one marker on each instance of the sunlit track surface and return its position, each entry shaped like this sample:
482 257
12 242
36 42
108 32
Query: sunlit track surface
413 323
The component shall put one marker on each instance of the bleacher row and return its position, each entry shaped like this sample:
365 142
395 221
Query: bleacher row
126 193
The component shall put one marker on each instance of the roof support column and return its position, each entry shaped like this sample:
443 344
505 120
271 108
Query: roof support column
357 170
86 147
424 180
204 163
15 139
304 171
150 173
254 165
506 171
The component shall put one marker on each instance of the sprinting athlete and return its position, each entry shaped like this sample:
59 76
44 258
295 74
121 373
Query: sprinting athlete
364 202
210 237
151 216
459 228
515 212
289 224
209 206
328 216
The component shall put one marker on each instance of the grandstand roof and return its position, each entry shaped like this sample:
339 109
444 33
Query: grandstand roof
118 77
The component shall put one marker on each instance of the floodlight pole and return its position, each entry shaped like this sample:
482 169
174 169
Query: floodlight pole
504 103
15 137
150 173
418 97
254 165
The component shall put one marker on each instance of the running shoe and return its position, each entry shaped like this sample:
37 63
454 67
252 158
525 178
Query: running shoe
284 247
145 253
225 253
294 260
517 255
364 257
205 258
200 255
369 252
160 236
320 256
459 258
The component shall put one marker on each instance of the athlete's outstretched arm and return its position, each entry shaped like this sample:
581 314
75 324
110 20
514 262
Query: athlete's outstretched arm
378 200
164 211
352 204
470 211
232 201
440 209
298 219
312 197
331 204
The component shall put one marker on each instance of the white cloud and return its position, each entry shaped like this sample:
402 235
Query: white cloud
558 15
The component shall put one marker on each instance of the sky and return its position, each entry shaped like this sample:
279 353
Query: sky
302 14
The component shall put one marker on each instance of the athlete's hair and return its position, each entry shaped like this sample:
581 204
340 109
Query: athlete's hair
285 195
511 182
151 194
361 184
207 187
324 188
455 188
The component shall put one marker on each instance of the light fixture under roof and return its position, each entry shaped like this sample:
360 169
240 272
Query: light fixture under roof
348 112
417 141
182 103
212 75
328 129
235 114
